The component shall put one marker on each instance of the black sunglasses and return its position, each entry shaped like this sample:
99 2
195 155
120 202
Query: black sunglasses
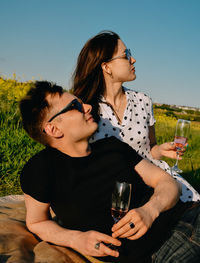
74 104
127 54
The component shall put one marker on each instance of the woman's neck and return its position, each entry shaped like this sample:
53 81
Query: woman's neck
116 97
114 94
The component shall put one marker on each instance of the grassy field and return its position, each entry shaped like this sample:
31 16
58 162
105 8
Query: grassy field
16 147
190 164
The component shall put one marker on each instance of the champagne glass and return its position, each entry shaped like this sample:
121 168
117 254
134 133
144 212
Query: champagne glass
180 139
121 196
120 200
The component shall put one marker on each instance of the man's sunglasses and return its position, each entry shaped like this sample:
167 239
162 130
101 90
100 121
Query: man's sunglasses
127 54
73 105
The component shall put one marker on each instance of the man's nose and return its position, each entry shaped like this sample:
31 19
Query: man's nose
87 108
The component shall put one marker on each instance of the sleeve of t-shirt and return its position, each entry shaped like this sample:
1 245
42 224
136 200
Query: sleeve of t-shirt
132 155
35 178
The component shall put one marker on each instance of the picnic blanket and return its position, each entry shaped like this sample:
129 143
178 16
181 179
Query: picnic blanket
19 245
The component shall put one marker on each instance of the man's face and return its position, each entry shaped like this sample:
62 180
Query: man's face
74 124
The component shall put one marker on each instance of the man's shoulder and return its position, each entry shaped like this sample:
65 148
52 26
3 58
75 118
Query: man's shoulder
107 141
111 143
40 157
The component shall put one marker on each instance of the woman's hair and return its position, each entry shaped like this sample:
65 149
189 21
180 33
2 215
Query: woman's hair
34 107
88 79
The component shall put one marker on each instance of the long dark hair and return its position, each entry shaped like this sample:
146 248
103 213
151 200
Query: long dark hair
88 80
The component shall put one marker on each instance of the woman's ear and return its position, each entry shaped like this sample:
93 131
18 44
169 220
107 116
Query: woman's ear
53 131
106 68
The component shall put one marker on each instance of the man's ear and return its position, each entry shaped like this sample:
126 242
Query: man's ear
106 68
53 131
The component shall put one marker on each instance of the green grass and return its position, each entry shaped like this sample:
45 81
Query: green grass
15 149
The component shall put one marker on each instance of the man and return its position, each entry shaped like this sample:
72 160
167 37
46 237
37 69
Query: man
75 179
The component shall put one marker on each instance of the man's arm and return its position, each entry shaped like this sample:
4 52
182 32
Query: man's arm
166 194
163 184
38 221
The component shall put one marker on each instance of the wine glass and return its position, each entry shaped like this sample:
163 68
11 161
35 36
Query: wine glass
180 139
120 200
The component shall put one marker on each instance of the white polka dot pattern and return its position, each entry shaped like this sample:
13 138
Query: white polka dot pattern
138 116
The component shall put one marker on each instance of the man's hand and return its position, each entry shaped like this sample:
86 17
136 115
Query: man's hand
91 243
142 219
85 243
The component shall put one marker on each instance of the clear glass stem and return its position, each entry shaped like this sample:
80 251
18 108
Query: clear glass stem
176 164
175 167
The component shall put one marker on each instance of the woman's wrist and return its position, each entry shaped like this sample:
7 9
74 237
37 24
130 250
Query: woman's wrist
156 152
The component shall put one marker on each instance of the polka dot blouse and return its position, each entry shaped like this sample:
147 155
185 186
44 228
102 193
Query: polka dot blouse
134 130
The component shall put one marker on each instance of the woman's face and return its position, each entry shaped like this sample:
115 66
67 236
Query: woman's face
122 69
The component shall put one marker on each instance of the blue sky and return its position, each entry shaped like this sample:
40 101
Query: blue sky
41 39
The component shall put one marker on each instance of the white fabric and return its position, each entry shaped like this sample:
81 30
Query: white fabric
138 116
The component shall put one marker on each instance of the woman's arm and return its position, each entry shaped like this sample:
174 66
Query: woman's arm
167 149
161 200
39 222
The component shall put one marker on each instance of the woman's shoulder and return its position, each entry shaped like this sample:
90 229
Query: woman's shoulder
135 92
136 95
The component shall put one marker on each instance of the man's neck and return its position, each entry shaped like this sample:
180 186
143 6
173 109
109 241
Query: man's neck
74 149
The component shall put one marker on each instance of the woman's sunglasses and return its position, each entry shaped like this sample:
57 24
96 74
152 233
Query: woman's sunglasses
73 105
127 53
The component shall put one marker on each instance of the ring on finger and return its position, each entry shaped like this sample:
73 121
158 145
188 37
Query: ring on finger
131 224
97 245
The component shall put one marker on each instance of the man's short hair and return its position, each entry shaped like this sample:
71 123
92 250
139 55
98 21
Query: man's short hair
34 106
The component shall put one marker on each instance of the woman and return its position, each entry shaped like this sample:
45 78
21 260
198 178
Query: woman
103 65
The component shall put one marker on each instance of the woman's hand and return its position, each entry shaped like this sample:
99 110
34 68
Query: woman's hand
167 149
85 242
142 220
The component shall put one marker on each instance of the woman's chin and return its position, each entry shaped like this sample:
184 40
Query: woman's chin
132 78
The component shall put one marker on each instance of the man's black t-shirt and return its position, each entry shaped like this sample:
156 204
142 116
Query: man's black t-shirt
79 190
